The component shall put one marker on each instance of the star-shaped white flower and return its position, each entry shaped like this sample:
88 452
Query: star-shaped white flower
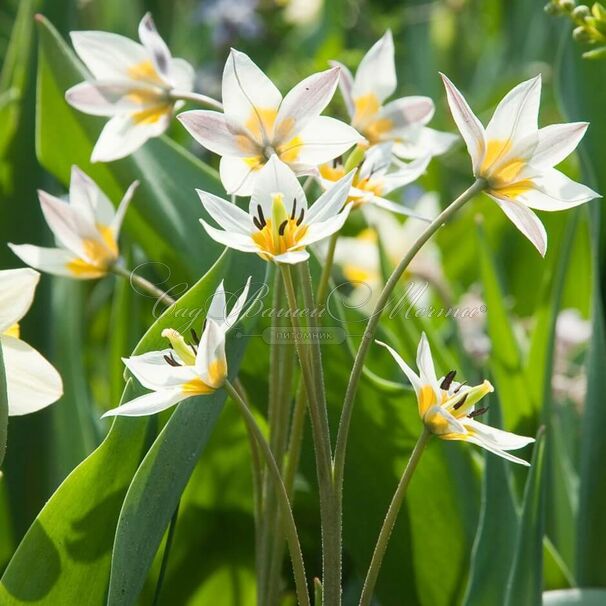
184 370
86 229
449 410
32 382
402 121
378 175
132 84
258 123
516 158
278 225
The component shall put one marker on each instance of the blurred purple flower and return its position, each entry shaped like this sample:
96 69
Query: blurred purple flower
230 19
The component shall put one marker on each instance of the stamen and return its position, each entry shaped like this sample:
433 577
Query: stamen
283 227
460 402
478 412
448 379
300 219
194 336
170 360
294 210
459 387
257 224
261 216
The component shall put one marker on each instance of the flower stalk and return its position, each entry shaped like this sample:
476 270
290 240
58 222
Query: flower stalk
143 284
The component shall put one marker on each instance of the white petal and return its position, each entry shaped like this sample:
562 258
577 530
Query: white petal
557 142
85 195
399 209
276 178
322 140
110 98
107 56
503 440
377 70
116 223
17 288
414 379
217 310
555 191
408 111
121 136
516 116
156 47
418 142
345 86
181 75
306 101
211 351
229 216
469 126
32 382
237 176
230 239
425 365
154 372
50 260
292 257
236 310
149 404
331 201
212 130
319 230
406 174
246 89
526 221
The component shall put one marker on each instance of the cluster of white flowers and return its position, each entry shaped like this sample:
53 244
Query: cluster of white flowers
265 142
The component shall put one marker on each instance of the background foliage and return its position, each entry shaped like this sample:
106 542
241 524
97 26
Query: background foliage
473 531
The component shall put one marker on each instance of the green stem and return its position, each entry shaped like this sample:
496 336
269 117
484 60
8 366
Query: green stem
373 321
290 527
390 519
196 98
321 439
322 291
166 555
146 285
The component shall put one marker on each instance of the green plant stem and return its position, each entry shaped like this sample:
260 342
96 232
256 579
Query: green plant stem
166 555
290 527
373 321
196 98
322 291
390 519
146 285
331 552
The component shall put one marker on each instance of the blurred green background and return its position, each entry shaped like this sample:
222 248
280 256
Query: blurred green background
470 533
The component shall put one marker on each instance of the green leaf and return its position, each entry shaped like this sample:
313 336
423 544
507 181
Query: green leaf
165 209
575 597
3 410
67 552
160 480
497 529
525 581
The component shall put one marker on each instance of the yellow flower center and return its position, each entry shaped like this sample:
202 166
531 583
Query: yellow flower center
217 371
146 71
280 233
13 331
366 109
99 255
502 175
427 398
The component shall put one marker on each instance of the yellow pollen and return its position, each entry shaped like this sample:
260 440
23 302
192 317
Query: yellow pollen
145 71
99 255
13 331
502 175
276 244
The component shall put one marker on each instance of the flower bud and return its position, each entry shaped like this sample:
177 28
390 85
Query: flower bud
580 34
580 13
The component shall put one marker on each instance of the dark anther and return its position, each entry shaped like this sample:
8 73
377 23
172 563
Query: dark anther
301 215
477 412
194 336
294 210
257 223
170 360
447 380
261 216
459 387
282 227
460 402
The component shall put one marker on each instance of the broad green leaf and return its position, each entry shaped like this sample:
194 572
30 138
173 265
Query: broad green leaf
505 362
67 552
165 209
575 597
3 411
160 480
497 529
525 583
